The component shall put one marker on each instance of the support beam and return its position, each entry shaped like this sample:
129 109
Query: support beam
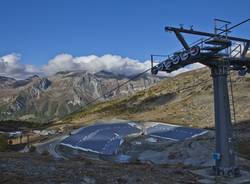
189 31
224 155
246 47
225 21
181 39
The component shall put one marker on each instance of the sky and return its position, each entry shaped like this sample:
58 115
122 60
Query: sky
45 36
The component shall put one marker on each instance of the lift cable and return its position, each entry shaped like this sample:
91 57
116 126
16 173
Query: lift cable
110 91
235 137
178 90
232 107
140 74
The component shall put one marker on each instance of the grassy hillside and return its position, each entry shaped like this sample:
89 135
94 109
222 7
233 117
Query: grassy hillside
186 99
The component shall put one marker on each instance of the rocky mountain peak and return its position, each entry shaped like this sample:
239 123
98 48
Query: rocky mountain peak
6 81
45 98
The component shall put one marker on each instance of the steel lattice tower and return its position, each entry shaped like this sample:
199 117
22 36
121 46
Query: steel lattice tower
221 53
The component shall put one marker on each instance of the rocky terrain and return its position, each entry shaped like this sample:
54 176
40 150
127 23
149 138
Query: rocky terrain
34 168
45 98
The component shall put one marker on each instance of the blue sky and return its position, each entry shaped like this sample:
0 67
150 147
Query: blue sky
41 29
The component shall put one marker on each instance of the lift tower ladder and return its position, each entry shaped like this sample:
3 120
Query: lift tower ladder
216 52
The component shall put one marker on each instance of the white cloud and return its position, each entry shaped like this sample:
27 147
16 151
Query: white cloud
111 63
188 68
11 66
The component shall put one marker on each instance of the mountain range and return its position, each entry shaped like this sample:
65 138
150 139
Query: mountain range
42 99
185 99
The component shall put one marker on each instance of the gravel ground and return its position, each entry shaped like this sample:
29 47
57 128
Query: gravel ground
34 168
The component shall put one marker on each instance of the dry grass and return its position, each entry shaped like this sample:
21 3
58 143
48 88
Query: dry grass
191 103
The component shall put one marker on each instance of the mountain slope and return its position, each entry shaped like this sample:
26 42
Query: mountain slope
184 99
42 99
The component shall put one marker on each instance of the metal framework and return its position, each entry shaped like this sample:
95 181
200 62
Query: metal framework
221 53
